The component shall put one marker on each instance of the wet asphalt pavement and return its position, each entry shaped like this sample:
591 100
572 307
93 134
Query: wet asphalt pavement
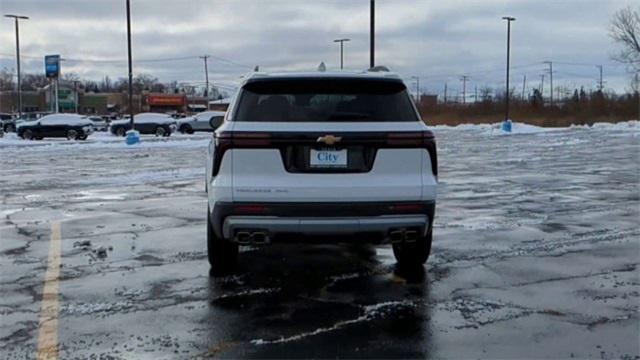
536 251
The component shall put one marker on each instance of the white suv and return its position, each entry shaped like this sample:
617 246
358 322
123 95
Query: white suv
329 156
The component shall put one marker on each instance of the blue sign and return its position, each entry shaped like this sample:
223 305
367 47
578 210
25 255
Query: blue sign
52 66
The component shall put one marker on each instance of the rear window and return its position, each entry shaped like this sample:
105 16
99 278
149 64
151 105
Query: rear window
325 100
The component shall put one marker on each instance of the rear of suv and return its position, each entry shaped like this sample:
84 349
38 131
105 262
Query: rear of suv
330 157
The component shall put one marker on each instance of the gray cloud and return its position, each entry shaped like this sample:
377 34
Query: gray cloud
437 40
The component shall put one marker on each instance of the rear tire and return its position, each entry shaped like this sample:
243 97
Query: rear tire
72 135
9 128
223 254
413 255
27 134
160 131
120 131
186 129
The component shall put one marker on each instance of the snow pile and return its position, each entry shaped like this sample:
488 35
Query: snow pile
632 126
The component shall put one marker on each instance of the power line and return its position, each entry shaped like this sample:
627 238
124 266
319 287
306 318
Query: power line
116 61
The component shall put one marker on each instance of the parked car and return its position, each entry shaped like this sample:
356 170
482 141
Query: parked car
5 119
99 123
204 121
71 126
10 124
321 156
145 123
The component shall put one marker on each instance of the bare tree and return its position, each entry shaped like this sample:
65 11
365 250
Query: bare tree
625 30
6 80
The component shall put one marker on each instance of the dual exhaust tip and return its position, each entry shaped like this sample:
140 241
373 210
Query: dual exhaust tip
403 235
246 237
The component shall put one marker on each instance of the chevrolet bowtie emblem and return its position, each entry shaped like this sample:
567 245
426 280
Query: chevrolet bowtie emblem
329 139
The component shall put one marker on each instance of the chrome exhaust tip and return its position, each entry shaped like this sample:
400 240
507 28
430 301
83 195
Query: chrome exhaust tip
396 236
243 237
259 238
410 236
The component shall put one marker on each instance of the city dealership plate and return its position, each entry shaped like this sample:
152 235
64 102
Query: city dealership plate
328 158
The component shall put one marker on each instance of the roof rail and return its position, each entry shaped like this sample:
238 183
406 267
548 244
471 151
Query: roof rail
379 68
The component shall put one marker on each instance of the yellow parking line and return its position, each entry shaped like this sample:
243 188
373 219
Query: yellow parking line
48 329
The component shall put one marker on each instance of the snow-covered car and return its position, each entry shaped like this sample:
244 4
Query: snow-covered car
71 126
326 156
99 123
204 121
145 123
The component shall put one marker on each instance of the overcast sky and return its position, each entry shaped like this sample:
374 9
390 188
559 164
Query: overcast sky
436 40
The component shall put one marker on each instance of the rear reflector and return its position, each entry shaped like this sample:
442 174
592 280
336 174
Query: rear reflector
249 209
406 208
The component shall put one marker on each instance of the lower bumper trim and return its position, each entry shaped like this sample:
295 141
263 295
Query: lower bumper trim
274 226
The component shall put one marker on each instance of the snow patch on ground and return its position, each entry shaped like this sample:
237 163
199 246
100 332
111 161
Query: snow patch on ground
370 312
147 177
100 309
11 142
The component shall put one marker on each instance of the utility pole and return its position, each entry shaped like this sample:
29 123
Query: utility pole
475 93
638 95
550 81
16 18
509 19
600 83
542 87
417 78
75 92
130 66
464 88
524 85
206 76
445 92
341 41
372 28
57 99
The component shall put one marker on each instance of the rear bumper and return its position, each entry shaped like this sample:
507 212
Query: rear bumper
286 221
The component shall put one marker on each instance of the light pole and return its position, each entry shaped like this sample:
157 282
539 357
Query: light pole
16 19
130 65
341 41
507 94
372 33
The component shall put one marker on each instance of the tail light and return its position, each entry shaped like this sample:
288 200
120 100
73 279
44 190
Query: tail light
423 139
261 140
236 140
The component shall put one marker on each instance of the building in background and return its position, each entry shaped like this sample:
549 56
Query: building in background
165 103
219 105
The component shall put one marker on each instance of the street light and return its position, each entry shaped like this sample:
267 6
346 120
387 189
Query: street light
130 66
509 20
341 41
16 18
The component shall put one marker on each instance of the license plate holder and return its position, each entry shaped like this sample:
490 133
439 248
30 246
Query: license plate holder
328 158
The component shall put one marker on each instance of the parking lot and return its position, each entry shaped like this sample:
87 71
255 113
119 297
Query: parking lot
536 251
